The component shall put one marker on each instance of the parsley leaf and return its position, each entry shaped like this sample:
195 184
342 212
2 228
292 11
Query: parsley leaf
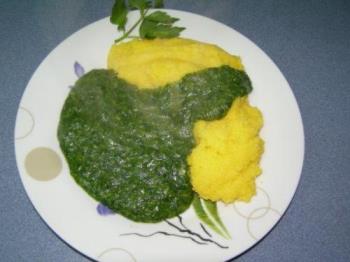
159 25
150 29
140 4
119 14
155 25
161 17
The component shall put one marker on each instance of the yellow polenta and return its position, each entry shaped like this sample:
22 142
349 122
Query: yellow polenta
154 63
225 161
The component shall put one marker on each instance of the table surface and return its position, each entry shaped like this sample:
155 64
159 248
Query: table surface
308 40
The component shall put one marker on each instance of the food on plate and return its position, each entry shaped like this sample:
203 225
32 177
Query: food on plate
128 147
168 119
225 160
154 63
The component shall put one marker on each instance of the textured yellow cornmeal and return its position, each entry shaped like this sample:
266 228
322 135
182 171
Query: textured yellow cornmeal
225 161
154 63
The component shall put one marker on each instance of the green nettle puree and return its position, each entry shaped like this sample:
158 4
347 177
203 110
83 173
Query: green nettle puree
127 147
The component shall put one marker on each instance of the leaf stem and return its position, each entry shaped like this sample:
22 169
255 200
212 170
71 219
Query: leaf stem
127 33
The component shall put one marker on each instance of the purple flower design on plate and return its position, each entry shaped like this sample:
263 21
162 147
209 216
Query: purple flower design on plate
103 210
78 69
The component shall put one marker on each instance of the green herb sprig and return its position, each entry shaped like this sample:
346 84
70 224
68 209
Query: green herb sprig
158 24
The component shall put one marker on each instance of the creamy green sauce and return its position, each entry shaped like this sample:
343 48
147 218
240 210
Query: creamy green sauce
127 147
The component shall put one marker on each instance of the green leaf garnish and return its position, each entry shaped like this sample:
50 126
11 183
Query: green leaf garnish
161 17
139 4
119 14
155 25
150 30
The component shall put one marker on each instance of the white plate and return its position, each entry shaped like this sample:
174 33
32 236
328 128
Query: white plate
73 215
